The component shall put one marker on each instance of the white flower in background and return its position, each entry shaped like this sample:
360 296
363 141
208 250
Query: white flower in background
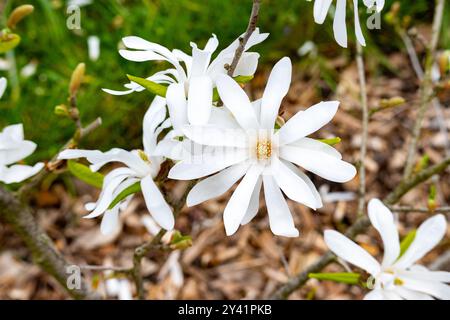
14 148
262 156
120 288
194 81
321 8
396 277
93 48
141 166
78 3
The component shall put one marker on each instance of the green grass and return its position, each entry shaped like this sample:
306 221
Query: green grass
173 23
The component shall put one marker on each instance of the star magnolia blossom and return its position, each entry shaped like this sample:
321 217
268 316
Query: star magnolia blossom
397 277
141 166
321 8
196 79
254 150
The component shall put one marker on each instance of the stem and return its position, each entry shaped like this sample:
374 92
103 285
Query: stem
419 210
243 40
365 126
426 89
359 226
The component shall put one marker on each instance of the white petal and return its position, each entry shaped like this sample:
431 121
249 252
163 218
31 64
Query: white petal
222 118
358 31
14 132
349 251
118 92
18 173
413 273
200 61
140 56
213 136
247 64
306 122
383 221
435 289
292 185
207 164
110 221
253 206
428 235
280 218
312 144
3 84
216 185
177 105
154 116
339 26
411 294
199 100
237 205
321 8
277 87
22 150
320 163
375 294
237 101
156 204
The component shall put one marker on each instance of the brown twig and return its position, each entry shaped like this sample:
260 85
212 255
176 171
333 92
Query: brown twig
426 88
243 40
365 129
359 226
420 210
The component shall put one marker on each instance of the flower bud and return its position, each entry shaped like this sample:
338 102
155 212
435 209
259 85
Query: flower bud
8 41
61 110
18 14
77 79
444 62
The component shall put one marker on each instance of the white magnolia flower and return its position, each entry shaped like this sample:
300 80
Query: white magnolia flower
141 166
120 288
191 77
14 148
321 8
397 277
262 156
94 48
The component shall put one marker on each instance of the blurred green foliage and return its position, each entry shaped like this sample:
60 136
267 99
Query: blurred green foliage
47 42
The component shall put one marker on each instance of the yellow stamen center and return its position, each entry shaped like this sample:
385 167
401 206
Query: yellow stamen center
263 150
398 282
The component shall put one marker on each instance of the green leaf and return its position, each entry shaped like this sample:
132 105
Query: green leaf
331 141
136 187
243 79
345 277
151 86
85 174
8 42
406 242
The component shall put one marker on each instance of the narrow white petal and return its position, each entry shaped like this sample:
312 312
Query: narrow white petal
411 294
280 217
177 105
237 205
237 101
432 288
321 8
428 235
339 25
253 206
358 31
154 116
292 185
247 64
156 204
277 87
375 294
306 122
21 150
18 173
320 163
214 136
426 275
312 144
110 221
140 56
216 185
199 100
349 251
383 220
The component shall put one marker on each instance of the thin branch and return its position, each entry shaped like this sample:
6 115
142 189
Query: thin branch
426 89
243 40
359 226
365 129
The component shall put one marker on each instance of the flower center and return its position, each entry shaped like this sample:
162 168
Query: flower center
263 149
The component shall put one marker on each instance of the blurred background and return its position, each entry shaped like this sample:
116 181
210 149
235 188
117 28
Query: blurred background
49 51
